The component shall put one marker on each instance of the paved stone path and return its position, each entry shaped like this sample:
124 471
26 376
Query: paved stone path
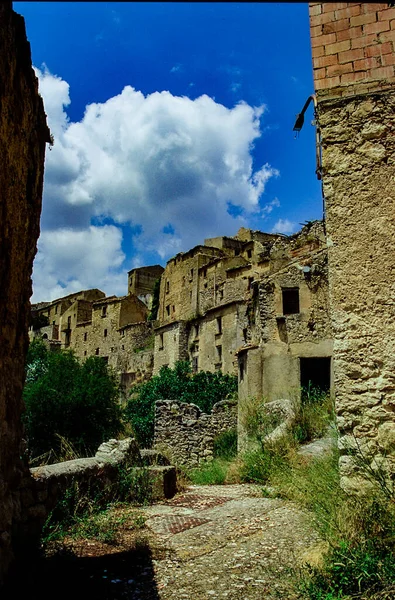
209 542
227 542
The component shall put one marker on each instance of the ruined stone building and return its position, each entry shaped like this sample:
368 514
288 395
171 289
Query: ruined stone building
255 305
290 338
115 328
353 47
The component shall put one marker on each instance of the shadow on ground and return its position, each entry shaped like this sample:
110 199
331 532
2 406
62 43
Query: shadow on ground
64 575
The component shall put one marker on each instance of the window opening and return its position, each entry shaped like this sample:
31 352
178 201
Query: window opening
290 301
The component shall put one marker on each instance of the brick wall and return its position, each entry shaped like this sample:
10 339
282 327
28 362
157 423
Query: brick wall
352 43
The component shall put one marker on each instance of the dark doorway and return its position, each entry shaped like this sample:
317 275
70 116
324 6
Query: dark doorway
315 373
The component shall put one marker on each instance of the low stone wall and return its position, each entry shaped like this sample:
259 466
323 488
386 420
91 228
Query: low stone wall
187 433
41 491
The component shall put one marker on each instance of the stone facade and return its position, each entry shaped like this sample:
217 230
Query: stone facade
355 116
141 282
290 339
187 434
115 328
203 298
23 135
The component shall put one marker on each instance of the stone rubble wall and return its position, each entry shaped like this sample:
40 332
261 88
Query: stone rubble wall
46 485
359 186
186 433
354 76
23 135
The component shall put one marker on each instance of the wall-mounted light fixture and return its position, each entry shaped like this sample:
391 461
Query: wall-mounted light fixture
298 126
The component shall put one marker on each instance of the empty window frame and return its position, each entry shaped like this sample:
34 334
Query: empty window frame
105 333
219 353
97 351
168 310
290 301
104 311
219 324
161 341
85 336
242 368
167 286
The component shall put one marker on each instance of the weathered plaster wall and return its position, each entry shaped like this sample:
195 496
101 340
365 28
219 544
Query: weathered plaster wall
188 434
219 335
23 134
356 108
171 344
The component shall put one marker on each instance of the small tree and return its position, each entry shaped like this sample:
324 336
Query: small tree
203 389
63 397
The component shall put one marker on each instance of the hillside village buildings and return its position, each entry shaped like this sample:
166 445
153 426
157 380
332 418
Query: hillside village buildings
255 305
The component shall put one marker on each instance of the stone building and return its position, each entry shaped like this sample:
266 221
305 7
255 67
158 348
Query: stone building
354 77
290 339
256 305
141 282
91 324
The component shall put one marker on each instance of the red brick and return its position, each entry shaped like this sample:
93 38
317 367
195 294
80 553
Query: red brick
328 6
322 19
336 26
321 84
315 10
386 15
339 69
333 81
383 72
325 61
369 7
323 40
387 36
378 49
345 57
319 73
376 27
365 64
317 52
350 11
337 47
388 60
348 34
314 31
363 19
365 40
351 77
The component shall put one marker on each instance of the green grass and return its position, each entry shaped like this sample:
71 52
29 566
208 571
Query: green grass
209 473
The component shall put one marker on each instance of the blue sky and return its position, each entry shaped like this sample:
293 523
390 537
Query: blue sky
172 123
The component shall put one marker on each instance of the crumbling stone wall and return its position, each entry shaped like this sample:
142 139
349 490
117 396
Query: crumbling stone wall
23 135
353 59
187 433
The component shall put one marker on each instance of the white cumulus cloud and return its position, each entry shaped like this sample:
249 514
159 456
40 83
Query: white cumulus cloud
146 161
285 226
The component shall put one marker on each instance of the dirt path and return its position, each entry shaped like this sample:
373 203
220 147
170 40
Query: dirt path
225 542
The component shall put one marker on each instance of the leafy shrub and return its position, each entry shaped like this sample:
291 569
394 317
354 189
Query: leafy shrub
66 399
203 389
312 415
225 444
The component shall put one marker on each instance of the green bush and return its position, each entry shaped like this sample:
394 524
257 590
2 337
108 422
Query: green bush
203 389
225 444
66 399
312 415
